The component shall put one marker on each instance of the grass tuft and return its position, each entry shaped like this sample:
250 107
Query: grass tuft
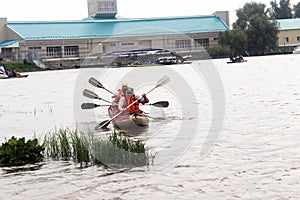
86 149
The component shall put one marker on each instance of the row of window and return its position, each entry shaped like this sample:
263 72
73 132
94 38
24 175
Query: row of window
57 50
286 39
178 43
106 6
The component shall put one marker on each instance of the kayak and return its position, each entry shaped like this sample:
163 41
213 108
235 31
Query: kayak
128 122
237 62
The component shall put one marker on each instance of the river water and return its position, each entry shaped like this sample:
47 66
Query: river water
232 133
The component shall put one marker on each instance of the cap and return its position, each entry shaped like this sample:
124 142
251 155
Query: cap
124 84
129 90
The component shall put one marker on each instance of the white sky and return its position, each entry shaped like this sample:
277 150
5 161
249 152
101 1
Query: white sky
53 10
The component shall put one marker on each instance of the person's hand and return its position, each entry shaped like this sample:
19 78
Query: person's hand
146 100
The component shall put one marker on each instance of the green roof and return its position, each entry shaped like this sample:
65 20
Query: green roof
118 27
8 42
288 24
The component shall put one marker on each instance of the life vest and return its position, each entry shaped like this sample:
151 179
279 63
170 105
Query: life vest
134 107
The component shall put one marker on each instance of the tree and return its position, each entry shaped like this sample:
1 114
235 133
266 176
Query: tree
297 10
285 11
281 11
274 10
261 33
244 14
235 40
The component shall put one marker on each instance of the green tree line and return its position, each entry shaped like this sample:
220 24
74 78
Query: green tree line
255 31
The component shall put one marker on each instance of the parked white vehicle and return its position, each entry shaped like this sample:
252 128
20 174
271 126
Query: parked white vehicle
296 50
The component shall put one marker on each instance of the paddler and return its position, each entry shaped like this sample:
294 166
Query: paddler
129 98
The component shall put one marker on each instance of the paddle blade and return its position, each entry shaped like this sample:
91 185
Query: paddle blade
164 80
102 125
90 94
85 106
162 104
95 82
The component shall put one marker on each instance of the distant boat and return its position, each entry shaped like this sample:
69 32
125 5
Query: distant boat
231 62
2 76
5 74
167 60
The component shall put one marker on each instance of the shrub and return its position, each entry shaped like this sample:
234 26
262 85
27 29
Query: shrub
16 152
218 51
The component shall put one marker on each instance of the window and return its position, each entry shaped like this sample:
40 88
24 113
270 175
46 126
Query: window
106 6
71 50
286 40
34 48
201 42
53 51
127 44
113 45
298 38
182 44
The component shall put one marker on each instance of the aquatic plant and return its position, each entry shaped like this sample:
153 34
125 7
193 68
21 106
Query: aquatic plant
86 149
16 152
81 153
126 144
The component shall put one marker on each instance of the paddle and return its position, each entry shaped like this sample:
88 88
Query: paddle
164 80
85 106
97 84
161 104
102 125
92 95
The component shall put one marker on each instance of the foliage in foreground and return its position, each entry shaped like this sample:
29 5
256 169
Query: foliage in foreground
80 147
86 149
16 152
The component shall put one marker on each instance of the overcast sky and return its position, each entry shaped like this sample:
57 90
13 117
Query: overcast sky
41 10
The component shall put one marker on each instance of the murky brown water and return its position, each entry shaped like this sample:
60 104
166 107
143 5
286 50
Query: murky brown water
256 155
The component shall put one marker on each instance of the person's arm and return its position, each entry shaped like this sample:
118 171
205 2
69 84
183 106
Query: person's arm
121 103
116 100
143 100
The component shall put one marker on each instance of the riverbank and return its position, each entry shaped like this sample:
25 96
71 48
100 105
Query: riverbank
21 66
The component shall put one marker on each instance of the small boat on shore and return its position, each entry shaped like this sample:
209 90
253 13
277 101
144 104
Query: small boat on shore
4 74
143 57
129 122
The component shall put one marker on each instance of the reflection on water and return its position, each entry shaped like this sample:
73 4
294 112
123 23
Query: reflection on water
21 169
256 157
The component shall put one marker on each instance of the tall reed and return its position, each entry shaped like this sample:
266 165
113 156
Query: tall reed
86 149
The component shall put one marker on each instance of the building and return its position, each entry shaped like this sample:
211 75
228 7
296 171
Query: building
289 32
106 9
67 43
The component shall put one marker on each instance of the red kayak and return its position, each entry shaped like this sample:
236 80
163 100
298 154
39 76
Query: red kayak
128 122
